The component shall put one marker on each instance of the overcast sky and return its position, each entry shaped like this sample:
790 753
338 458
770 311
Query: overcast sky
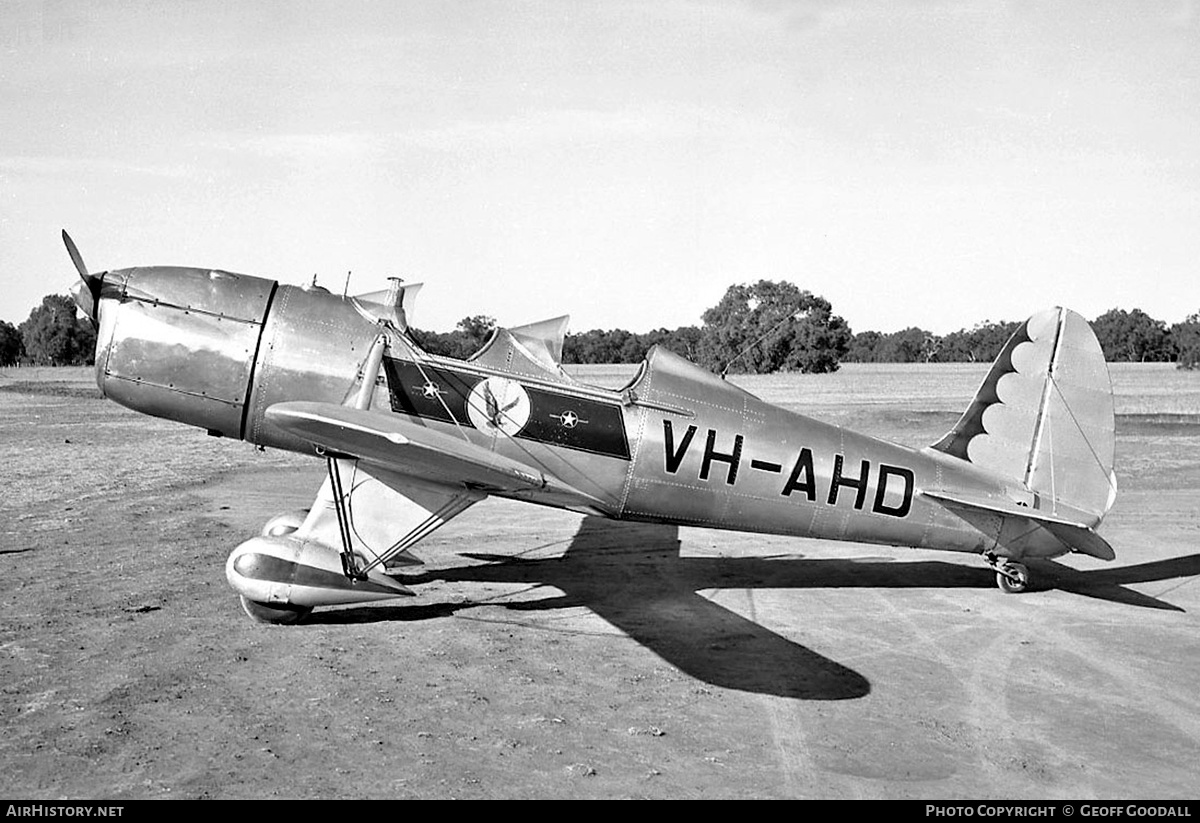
933 163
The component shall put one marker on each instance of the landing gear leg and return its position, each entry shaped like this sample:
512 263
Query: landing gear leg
350 565
1011 577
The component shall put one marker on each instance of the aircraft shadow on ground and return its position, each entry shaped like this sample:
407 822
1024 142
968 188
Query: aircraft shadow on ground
632 575
1109 583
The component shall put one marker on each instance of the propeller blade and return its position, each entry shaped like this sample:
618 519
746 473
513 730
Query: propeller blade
76 257
84 301
87 294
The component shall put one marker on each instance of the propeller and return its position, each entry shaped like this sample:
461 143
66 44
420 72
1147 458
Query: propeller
86 294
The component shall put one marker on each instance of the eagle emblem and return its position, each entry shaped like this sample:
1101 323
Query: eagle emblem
498 404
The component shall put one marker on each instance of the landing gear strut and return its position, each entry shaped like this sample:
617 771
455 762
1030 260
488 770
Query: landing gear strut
1011 577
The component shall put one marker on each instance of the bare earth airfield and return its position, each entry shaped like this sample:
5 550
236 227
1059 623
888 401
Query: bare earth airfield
549 655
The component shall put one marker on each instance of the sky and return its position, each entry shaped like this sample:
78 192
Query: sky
931 163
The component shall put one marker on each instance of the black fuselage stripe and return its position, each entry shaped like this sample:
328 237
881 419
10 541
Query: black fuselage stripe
555 418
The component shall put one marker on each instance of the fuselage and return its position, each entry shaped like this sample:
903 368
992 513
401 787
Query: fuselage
677 445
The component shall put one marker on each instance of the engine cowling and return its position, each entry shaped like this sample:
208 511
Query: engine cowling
180 343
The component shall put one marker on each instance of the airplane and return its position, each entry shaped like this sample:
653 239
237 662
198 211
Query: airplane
411 440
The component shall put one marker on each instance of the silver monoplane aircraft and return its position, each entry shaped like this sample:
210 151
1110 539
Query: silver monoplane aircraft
411 439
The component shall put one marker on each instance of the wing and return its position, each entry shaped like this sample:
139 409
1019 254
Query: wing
390 444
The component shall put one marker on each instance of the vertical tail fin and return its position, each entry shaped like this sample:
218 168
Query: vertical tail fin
1044 416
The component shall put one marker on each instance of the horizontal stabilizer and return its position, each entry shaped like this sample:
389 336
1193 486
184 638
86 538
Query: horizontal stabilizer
1074 534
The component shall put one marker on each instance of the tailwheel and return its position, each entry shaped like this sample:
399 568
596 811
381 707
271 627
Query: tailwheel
281 614
1012 578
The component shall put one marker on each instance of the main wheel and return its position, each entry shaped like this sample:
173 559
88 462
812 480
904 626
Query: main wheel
278 613
1015 583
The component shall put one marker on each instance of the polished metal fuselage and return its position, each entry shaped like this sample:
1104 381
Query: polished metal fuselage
216 350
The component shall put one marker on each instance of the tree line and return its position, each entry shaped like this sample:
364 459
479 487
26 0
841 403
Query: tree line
51 336
768 326
761 327
1125 337
756 328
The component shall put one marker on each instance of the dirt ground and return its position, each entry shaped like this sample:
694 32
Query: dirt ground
549 655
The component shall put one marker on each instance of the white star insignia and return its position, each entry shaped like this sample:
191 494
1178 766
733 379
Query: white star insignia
568 419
